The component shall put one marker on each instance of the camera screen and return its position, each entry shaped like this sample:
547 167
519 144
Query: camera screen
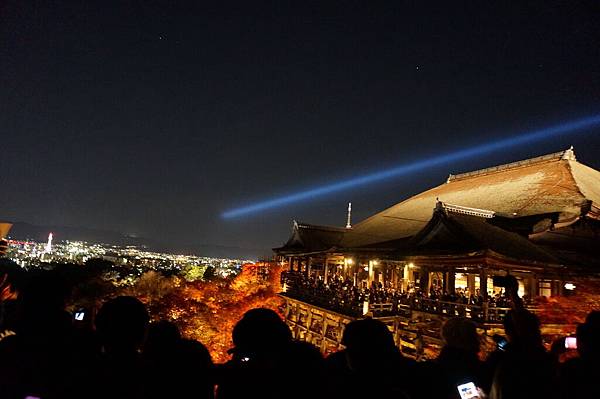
502 344
571 343
468 391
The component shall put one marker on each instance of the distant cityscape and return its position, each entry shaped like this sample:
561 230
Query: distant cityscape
35 254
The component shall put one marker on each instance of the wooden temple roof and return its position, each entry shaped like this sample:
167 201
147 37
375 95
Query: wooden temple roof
311 238
553 184
576 244
453 233
533 196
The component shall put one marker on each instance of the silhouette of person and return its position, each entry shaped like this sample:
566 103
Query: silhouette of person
524 369
175 367
162 339
579 376
121 325
37 360
370 355
263 355
458 361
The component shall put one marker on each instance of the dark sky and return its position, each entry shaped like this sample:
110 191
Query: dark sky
153 117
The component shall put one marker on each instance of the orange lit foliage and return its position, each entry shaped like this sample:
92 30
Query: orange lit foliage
571 309
208 311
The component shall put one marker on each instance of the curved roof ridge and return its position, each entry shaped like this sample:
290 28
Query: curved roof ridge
543 186
467 210
319 227
568 154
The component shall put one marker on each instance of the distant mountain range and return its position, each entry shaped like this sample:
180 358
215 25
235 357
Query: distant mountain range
23 231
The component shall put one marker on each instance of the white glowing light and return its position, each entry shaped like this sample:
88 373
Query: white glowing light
511 141
49 243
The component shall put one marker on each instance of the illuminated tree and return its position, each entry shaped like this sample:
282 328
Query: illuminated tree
153 285
193 272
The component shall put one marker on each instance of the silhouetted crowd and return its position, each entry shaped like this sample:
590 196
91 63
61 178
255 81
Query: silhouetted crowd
120 354
344 296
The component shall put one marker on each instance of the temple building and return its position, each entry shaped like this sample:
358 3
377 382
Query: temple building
443 253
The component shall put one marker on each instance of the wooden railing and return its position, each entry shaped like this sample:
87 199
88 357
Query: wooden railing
484 313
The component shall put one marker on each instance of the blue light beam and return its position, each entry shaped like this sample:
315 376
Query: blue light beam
523 138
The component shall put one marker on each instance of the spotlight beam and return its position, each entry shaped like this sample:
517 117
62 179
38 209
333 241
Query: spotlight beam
570 127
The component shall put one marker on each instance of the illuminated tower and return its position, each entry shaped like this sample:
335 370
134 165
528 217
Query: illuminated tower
348 225
49 243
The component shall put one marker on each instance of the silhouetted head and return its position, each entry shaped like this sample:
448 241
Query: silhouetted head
195 354
41 305
305 356
588 337
461 333
523 328
369 344
121 324
260 331
162 336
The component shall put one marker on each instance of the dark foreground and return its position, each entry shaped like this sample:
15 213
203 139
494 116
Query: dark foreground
119 354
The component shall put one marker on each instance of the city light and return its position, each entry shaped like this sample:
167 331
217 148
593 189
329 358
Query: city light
570 127
49 243
31 255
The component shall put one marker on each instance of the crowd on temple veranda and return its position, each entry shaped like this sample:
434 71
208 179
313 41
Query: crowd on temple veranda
344 295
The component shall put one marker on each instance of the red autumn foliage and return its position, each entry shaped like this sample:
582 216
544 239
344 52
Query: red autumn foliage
208 311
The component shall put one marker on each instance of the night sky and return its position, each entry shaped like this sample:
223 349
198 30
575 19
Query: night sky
154 117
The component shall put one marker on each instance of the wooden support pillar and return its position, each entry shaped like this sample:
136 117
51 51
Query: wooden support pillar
324 332
451 281
371 276
471 283
531 288
326 270
406 277
483 288
308 264
557 288
424 283
309 315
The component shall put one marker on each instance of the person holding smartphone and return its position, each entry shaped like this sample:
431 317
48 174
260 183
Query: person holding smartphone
458 364
524 369
578 376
